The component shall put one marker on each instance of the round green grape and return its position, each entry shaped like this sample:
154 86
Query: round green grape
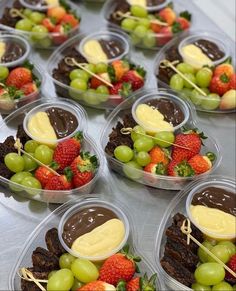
190 77
27 12
30 164
176 82
140 31
4 72
79 74
145 22
24 24
101 68
91 97
211 102
234 287
209 274
36 17
128 24
143 144
14 162
66 260
51 273
44 154
79 84
84 270
45 42
103 93
203 77
230 247
123 153
135 39
221 252
149 40
143 158
130 170
164 139
186 93
30 146
185 68
138 11
222 286
77 285
61 280
196 97
199 287
137 132
39 32
203 256
31 182
17 178
91 67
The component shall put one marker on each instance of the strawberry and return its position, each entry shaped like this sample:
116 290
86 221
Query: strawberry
95 82
97 286
224 68
121 266
29 88
144 284
62 182
56 13
120 67
43 175
180 169
19 77
135 77
158 156
60 33
83 168
156 27
165 35
66 151
191 140
232 265
184 23
232 82
168 15
158 169
200 164
70 19
219 84
122 89
48 23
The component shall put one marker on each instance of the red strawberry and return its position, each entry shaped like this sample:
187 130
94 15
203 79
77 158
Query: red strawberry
19 77
29 88
158 156
66 151
120 266
56 13
224 68
97 286
59 183
119 68
168 15
43 175
135 77
95 82
191 140
219 84
200 164
48 23
60 33
165 35
122 89
232 82
184 23
155 27
180 169
156 168
69 19
145 284
232 265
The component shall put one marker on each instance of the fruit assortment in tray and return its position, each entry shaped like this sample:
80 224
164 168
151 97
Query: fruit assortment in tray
46 25
48 155
205 213
96 70
152 138
200 66
55 268
150 24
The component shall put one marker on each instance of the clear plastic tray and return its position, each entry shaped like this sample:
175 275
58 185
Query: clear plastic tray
37 239
178 204
175 42
45 43
9 125
156 181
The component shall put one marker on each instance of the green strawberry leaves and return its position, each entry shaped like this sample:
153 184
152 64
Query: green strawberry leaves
185 14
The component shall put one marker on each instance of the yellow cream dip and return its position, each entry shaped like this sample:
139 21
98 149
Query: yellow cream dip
2 49
194 56
94 52
142 3
214 220
101 240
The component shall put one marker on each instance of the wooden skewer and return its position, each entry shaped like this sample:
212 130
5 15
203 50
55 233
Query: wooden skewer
186 229
72 62
28 276
16 12
128 130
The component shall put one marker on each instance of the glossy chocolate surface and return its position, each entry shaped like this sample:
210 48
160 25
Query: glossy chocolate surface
210 49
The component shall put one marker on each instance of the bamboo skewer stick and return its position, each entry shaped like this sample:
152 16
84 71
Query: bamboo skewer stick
28 276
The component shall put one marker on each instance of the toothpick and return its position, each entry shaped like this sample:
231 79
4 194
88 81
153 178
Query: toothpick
170 64
16 12
28 276
72 62
186 229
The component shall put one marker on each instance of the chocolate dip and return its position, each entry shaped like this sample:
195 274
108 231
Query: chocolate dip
214 197
151 3
171 111
63 122
210 49
13 52
111 48
85 221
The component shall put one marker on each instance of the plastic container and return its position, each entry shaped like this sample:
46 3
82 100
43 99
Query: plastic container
94 203
39 7
154 7
37 239
228 186
178 205
50 40
9 126
14 39
106 35
155 96
98 101
150 40
42 108
139 176
171 51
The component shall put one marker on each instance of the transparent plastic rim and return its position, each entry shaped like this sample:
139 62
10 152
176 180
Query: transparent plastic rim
120 213
161 229
155 7
35 7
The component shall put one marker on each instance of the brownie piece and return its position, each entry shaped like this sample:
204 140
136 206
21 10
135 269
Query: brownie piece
122 6
7 147
21 134
31 286
5 172
53 243
43 260
7 19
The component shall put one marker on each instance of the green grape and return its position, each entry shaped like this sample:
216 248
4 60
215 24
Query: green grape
27 12
51 273
66 260
30 164
209 274
144 22
101 68
185 68
196 97
30 146
176 82
79 84
230 247
91 97
203 77
75 94
186 93
128 24
137 132
210 102
143 158
140 31
192 78
234 287
149 40
91 67
62 280
14 162
84 270
135 39
36 17
203 256
17 178
138 11
164 139
222 286
4 72
39 32
123 153
77 285
44 154
31 182
199 287
129 170
45 42
103 93
24 24
79 74
221 252
143 144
